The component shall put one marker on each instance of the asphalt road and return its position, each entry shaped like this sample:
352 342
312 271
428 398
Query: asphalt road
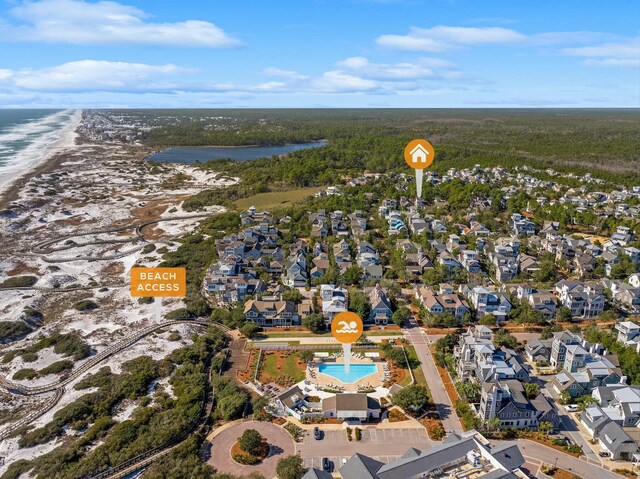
416 336
537 454
568 423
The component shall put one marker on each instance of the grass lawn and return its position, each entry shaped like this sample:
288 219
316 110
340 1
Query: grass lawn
289 367
417 369
276 199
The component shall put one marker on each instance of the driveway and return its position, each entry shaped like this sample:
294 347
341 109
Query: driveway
385 445
280 441
419 340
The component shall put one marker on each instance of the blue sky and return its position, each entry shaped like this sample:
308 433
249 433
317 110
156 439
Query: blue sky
320 53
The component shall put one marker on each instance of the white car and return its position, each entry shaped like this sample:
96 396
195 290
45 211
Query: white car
571 407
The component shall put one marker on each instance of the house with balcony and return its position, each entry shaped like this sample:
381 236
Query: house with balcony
629 334
271 311
334 301
381 311
521 226
489 301
506 401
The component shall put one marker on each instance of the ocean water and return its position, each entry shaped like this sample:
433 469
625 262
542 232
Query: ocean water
203 154
26 137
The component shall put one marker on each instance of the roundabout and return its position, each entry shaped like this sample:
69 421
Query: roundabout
280 445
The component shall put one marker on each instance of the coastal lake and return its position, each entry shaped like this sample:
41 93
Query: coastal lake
191 155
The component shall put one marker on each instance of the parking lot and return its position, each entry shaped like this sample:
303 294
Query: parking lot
384 445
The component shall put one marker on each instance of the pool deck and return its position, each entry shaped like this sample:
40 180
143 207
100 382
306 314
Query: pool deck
373 380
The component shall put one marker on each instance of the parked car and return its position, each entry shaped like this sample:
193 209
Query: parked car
344 461
317 433
604 454
571 407
326 464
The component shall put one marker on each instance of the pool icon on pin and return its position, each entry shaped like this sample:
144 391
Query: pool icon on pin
419 154
347 328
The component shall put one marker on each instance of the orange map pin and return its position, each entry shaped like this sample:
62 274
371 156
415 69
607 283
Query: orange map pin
347 327
419 154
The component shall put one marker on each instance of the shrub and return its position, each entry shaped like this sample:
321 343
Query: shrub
246 459
250 330
85 305
146 300
57 367
19 282
295 431
177 314
26 373
148 249
12 330
30 357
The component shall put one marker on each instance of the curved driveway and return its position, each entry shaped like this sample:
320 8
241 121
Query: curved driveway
280 441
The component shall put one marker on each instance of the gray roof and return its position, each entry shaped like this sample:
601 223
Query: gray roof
287 397
613 436
411 452
314 473
600 419
350 402
508 455
429 460
499 474
360 466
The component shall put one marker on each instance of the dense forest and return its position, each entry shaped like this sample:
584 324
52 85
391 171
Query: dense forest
602 140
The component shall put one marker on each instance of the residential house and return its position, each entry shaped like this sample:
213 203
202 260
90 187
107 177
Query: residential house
629 334
381 311
489 301
443 301
506 401
521 226
271 311
334 301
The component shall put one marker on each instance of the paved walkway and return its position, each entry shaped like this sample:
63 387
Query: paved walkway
420 342
280 441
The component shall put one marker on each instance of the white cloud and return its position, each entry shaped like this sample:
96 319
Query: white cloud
441 38
93 75
419 68
278 72
106 22
621 54
339 82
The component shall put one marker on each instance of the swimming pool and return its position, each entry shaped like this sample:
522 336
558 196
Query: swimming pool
356 371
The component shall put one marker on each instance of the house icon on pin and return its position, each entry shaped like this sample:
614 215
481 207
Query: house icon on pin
419 154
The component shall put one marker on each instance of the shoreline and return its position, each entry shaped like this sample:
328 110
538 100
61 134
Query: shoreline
231 147
56 154
243 146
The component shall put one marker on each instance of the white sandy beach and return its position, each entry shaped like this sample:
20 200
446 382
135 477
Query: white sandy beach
39 152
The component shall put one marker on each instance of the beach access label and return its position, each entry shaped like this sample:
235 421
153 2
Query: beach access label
162 282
